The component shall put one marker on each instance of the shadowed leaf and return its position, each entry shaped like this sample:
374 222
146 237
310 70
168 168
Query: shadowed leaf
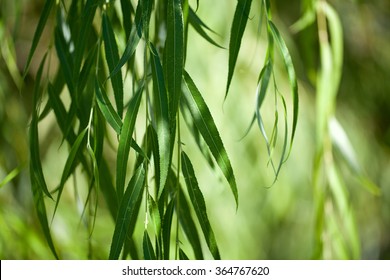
199 205
127 209
148 247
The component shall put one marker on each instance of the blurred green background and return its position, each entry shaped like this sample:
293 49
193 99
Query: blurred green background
271 223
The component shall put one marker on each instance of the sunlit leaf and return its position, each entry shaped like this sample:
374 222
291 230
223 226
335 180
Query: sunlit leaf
240 19
160 99
10 176
182 255
199 205
167 226
205 123
291 75
127 210
125 140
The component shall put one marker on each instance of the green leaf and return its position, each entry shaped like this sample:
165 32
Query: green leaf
160 99
38 32
174 51
146 6
291 75
167 226
125 140
108 189
107 109
188 225
199 205
198 25
148 247
10 176
127 210
70 165
127 10
132 43
86 25
182 255
205 123
155 215
112 57
237 31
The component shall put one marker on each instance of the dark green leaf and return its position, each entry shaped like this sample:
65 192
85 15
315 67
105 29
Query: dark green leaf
38 32
132 43
107 188
65 58
107 109
205 123
147 6
237 31
112 57
174 48
162 118
86 26
167 226
127 10
125 140
182 255
127 210
188 225
70 165
148 247
199 205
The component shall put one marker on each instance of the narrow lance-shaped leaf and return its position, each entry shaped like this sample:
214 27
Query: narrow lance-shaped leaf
132 43
174 48
291 75
237 31
148 247
10 176
127 209
112 57
70 165
38 183
198 25
166 228
205 123
125 140
188 225
199 205
38 32
127 9
162 118
182 255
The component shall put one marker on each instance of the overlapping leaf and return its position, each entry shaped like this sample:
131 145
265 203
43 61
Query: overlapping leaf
204 122
199 205
126 212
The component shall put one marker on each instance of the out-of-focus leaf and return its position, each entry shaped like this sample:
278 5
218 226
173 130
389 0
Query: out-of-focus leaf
240 19
205 123
108 189
174 51
291 75
112 57
199 205
132 43
155 215
38 32
127 210
125 140
10 176
148 247
65 58
160 99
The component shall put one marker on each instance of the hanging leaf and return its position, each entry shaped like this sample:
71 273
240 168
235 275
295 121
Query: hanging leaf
38 32
160 99
167 226
240 19
199 205
148 247
205 123
125 140
112 58
127 210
